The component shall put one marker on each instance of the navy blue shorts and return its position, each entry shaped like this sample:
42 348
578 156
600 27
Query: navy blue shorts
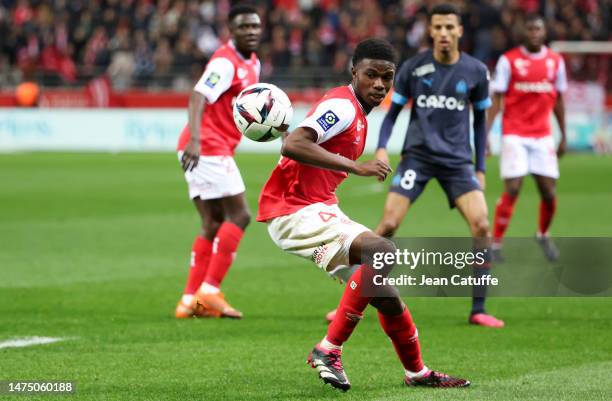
412 175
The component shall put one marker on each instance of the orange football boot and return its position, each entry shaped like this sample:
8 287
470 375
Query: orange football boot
217 303
184 311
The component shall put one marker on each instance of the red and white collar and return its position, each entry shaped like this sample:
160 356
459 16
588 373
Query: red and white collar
350 86
232 45
535 56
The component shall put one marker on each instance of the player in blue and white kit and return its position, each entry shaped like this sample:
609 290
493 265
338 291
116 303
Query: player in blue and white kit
442 83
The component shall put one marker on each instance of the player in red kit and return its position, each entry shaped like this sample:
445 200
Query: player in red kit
299 204
206 149
528 85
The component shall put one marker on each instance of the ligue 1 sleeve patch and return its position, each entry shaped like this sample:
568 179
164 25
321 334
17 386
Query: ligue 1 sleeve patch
212 80
328 120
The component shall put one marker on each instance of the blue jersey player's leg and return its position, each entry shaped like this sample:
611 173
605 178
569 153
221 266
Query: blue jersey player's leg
473 207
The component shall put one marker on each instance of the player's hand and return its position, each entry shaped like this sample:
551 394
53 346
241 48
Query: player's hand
373 168
191 156
382 155
481 179
562 147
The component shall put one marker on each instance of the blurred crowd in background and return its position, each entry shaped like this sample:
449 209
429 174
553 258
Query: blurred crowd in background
166 43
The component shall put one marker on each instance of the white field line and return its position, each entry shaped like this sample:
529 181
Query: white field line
29 341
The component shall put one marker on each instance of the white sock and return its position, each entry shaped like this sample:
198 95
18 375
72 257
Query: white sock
209 289
417 375
187 299
329 346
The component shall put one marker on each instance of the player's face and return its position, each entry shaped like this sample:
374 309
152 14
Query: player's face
372 80
246 32
535 34
445 31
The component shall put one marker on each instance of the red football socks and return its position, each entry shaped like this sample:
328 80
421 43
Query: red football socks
223 253
403 333
200 257
547 211
350 310
503 213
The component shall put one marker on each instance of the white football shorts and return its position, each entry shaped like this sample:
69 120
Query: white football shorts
521 156
321 233
214 177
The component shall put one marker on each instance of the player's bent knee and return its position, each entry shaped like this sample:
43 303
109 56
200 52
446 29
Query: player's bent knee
210 228
373 249
242 219
513 191
481 227
549 194
388 227
383 245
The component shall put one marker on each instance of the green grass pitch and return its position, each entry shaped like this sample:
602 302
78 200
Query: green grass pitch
94 248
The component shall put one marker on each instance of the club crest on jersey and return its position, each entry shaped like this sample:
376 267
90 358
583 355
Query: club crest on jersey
212 80
522 66
241 73
424 70
328 120
461 87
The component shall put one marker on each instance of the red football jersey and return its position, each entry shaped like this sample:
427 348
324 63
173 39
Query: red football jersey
531 83
226 75
341 126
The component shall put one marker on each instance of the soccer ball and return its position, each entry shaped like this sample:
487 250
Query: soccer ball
262 112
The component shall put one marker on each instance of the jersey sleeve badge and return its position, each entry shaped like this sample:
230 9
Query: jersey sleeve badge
212 80
328 120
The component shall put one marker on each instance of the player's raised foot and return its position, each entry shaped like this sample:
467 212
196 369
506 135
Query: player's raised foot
330 316
548 247
217 303
483 319
436 379
329 365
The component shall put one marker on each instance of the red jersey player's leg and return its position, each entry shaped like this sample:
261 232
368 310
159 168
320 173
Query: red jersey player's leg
394 318
225 245
211 216
217 189
548 206
503 213
396 207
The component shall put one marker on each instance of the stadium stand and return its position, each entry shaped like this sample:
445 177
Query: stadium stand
165 44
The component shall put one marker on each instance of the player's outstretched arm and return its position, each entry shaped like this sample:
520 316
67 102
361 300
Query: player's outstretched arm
559 112
386 130
191 154
301 146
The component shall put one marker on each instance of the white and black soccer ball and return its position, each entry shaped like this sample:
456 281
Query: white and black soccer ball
262 112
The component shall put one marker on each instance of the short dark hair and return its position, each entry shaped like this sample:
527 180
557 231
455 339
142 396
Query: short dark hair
240 8
376 49
445 9
533 18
